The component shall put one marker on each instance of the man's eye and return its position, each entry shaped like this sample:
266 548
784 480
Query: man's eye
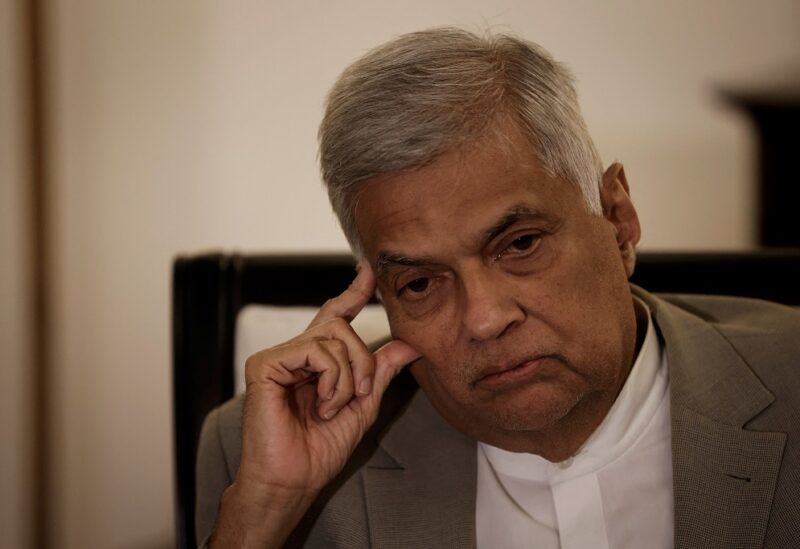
524 242
521 247
417 286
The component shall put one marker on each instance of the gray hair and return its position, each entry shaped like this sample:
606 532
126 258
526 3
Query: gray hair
406 102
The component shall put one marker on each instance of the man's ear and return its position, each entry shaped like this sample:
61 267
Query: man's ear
618 210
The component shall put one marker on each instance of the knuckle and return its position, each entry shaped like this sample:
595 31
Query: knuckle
253 362
337 346
318 345
337 324
367 362
257 367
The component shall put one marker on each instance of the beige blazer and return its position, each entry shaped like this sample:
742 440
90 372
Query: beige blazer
735 403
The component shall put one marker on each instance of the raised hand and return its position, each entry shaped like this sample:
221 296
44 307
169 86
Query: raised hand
308 402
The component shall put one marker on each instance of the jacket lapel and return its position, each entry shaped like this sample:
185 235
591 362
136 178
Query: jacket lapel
723 475
420 492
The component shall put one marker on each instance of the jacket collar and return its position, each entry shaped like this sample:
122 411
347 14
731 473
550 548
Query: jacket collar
420 491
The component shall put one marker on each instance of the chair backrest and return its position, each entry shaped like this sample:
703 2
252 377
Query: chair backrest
209 290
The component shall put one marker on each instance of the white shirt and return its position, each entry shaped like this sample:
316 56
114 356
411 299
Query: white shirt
615 492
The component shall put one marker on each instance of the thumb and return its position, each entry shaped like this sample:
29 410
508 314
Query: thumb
390 359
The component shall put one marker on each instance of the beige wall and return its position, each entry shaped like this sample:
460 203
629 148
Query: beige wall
15 363
188 125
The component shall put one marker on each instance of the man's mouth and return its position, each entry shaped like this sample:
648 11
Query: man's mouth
497 378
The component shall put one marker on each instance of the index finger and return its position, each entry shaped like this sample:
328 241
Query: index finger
349 303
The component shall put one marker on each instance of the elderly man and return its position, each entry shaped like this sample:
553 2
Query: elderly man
559 406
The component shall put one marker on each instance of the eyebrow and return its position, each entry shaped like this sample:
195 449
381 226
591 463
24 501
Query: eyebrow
512 216
386 260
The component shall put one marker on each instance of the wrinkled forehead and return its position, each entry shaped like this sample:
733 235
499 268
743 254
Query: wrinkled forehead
458 197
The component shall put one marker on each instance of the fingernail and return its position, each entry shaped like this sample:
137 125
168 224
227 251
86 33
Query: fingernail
330 413
330 395
365 386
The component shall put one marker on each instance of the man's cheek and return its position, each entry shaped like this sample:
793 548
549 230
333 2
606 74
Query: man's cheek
409 331
429 376
433 336
396 323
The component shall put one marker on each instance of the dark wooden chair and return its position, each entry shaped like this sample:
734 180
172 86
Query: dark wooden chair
209 290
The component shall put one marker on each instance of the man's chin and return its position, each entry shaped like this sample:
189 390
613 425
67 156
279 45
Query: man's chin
541 416
502 418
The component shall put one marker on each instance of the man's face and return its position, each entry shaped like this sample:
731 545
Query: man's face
515 295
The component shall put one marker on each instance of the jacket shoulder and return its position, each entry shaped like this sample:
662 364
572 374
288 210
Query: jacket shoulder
764 334
747 323
735 314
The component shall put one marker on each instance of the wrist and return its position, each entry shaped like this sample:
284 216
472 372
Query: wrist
254 517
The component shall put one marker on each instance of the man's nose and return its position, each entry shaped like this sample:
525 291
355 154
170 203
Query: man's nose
491 307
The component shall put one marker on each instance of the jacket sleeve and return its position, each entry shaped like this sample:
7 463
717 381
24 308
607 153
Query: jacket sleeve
213 477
